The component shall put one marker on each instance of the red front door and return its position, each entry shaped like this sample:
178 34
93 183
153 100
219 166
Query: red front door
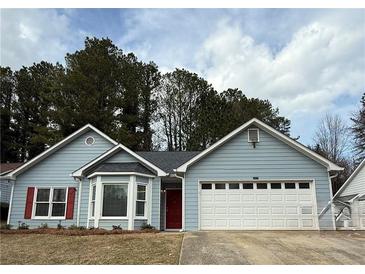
173 209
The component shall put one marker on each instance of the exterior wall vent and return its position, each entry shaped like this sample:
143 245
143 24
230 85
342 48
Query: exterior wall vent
89 140
253 135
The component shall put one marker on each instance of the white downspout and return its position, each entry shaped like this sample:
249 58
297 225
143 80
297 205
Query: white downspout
79 202
10 202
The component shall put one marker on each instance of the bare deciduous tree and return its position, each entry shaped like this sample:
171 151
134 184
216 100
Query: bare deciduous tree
333 137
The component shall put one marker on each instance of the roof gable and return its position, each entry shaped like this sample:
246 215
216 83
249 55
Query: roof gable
255 122
108 154
57 147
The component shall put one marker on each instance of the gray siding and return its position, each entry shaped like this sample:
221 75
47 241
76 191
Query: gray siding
108 224
357 184
121 157
271 159
55 170
5 190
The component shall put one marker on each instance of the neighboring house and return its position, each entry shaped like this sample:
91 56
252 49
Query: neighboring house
5 187
349 201
253 178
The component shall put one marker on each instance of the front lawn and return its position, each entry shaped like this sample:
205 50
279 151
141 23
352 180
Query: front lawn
141 248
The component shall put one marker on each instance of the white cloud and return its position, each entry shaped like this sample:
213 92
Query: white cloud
32 35
321 62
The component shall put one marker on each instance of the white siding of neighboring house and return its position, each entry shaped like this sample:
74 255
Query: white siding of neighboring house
357 184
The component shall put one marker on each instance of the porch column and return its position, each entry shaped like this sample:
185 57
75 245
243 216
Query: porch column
98 201
131 201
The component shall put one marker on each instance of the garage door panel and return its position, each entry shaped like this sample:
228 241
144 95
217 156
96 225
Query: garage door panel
234 197
291 210
220 198
262 197
220 210
265 208
248 198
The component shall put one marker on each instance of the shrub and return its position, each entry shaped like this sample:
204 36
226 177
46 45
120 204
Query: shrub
59 226
75 227
5 226
117 227
43 226
147 226
23 226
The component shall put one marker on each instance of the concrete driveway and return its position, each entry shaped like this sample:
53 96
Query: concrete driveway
273 247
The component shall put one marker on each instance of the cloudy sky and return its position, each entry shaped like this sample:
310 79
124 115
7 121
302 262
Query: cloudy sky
306 62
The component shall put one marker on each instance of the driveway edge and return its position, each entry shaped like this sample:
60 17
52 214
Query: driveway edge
181 247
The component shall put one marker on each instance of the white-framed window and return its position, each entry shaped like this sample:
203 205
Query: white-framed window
115 200
141 201
92 202
50 203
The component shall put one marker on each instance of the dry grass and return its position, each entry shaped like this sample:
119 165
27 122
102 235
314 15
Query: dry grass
146 248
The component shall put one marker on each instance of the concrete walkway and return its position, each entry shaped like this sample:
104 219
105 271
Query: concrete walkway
273 247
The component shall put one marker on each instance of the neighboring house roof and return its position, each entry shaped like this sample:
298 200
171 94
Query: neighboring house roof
349 180
5 168
168 160
56 147
81 171
122 167
255 122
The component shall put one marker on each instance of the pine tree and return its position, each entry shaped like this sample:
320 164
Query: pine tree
358 129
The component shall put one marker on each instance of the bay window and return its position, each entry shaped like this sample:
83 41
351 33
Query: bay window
50 203
115 198
141 201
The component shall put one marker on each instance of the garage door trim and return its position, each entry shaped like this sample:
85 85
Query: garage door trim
312 187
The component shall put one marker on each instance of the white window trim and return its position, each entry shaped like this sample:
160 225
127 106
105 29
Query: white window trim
92 184
50 204
144 217
258 135
102 199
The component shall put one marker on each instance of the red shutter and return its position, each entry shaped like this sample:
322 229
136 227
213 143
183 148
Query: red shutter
29 203
70 203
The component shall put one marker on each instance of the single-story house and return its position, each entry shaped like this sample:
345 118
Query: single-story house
349 201
5 187
254 178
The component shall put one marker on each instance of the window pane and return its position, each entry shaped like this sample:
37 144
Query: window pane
115 200
58 209
141 192
275 185
247 186
290 185
234 186
303 185
41 209
140 208
206 186
43 195
94 192
220 186
261 186
59 195
92 209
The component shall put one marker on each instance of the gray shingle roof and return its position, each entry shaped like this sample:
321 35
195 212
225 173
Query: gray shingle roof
168 160
122 167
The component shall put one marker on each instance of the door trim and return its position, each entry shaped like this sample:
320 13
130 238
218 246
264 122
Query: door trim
172 229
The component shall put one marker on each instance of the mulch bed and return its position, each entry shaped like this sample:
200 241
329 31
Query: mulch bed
75 232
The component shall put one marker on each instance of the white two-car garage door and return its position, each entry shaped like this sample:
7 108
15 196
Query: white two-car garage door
258 205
